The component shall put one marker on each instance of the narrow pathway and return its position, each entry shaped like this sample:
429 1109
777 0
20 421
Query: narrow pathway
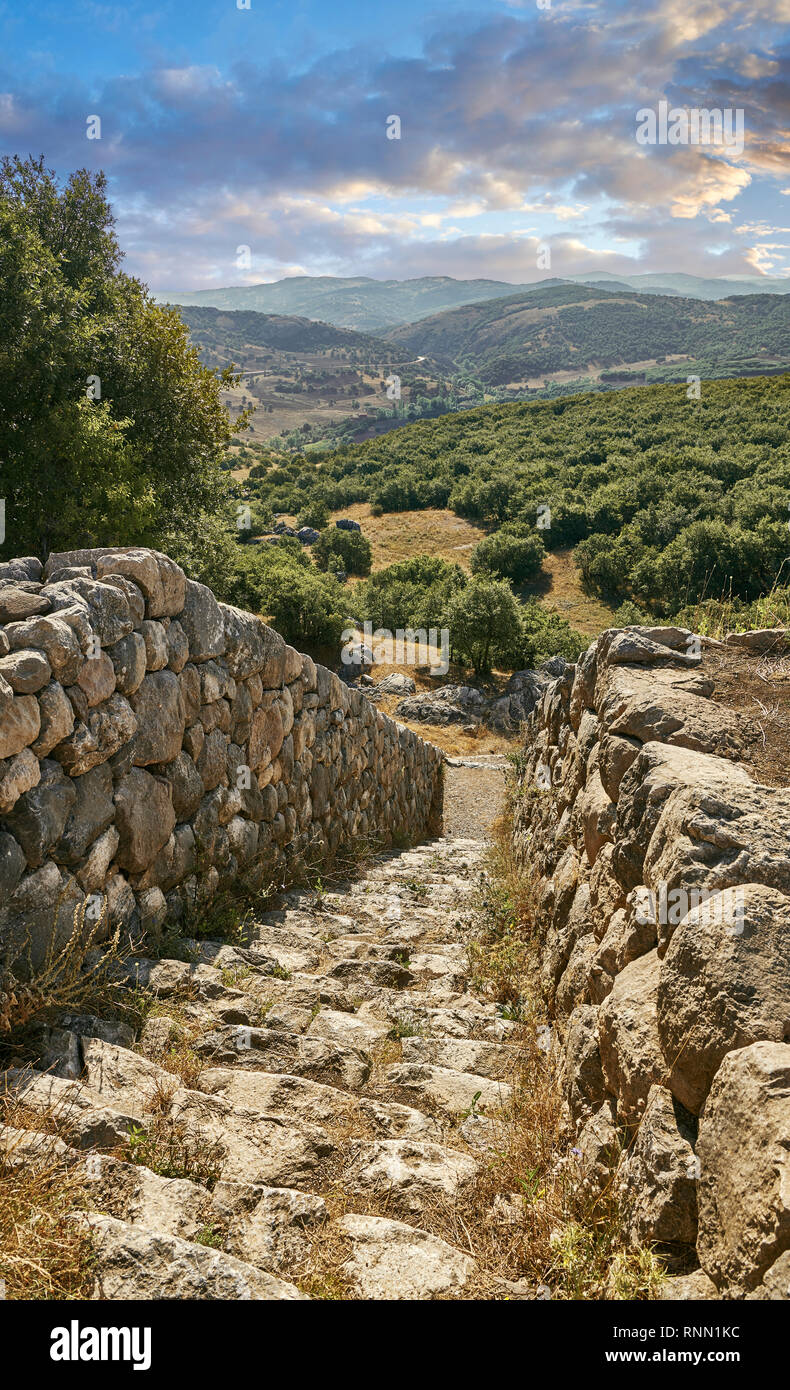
309 1111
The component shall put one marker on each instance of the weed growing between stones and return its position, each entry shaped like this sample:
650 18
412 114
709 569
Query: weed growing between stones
80 974
174 1151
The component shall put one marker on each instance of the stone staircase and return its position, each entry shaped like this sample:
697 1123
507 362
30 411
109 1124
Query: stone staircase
296 1116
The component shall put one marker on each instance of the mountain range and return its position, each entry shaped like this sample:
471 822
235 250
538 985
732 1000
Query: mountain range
371 306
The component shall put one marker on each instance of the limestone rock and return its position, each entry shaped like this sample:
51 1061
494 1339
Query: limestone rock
144 818
412 1176
17 776
107 729
202 622
135 1263
129 662
744 1187
159 711
392 1261
658 1175
252 648
57 719
724 983
20 722
628 1037
26 670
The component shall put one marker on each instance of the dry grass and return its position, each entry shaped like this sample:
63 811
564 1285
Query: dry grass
79 975
396 536
560 589
44 1252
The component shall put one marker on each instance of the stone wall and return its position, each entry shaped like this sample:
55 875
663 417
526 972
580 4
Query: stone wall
661 884
156 746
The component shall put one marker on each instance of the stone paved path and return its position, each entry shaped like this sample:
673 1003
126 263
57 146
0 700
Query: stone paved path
325 1086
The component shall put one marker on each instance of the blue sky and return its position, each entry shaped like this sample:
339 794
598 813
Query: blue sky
266 128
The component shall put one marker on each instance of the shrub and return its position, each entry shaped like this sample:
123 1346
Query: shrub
517 557
346 550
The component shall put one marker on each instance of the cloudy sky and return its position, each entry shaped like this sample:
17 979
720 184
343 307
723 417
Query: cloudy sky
266 127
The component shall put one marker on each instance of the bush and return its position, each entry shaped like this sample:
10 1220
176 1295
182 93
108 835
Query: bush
517 557
315 514
546 634
413 593
484 622
343 550
280 583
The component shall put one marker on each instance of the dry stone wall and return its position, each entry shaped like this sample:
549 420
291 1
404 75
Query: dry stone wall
156 746
661 881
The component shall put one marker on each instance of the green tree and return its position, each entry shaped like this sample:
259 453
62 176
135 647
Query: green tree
509 556
347 550
111 430
484 622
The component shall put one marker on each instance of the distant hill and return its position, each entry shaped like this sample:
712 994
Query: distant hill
370 306
281 332
584 331
307 380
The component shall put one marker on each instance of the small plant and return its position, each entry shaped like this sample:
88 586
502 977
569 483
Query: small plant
210 1236
80 975
173 1151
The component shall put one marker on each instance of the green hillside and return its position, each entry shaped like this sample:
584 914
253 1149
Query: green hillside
582 330
666 499
287 333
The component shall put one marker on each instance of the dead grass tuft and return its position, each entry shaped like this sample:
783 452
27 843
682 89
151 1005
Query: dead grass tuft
45 1254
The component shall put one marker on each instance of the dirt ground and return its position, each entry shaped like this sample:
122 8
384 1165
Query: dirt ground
473 798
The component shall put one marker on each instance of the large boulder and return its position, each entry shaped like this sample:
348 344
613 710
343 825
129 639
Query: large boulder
724 983
202 622
53 636
628 1037
20 722
161 581
657 1175
657 772
57 719
252 648
159 710
664 706
106 730
39 816
113 610
144 818
744 1187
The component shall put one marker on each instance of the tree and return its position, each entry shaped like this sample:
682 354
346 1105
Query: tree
347 550
412 593
111 430
507 556
484 622
281 584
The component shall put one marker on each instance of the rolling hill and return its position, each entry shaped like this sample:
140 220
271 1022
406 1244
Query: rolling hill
307 380
371 306
584 331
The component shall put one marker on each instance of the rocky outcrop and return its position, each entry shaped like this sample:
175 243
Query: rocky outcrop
660 878
156 745
465 704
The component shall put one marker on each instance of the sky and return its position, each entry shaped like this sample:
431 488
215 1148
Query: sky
263 125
